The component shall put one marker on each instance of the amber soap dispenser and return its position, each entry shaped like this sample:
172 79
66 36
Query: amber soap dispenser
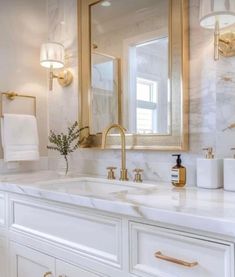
178 173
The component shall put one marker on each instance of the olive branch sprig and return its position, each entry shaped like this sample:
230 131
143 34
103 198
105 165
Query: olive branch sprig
66 143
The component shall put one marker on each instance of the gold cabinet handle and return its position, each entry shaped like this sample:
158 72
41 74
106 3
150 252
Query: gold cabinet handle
159 255
47 274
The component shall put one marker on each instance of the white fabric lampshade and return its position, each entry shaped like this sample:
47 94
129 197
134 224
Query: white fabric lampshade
52 55
212 11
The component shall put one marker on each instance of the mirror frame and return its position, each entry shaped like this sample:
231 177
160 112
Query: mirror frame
177 140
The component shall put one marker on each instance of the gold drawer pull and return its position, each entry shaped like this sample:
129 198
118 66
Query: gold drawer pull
47 274
159 255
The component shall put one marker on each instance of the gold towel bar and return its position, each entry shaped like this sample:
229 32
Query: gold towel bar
10 95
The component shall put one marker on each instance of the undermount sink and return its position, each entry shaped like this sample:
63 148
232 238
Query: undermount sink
89 186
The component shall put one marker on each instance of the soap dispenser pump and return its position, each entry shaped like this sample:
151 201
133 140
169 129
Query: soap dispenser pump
209 153
209 171
229 173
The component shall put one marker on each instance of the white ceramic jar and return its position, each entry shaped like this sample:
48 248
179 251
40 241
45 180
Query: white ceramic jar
209 171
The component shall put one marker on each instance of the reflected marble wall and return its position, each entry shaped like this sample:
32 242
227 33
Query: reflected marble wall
104 92
212 101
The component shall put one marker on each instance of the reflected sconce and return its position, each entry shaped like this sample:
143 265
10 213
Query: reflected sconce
216 15
52 56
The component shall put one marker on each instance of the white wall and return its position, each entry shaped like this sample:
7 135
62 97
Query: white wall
23 30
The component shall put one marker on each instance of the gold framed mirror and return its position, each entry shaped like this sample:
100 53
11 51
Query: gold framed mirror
133 61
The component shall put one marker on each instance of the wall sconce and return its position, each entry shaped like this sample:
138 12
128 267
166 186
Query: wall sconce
52 56
218 14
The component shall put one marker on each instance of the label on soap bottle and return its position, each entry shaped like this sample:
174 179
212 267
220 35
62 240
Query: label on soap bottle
175 175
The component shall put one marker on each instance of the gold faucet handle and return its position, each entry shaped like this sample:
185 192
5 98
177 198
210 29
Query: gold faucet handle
138 170
138 176
111 173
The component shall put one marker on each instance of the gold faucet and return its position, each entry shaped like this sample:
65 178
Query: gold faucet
122 130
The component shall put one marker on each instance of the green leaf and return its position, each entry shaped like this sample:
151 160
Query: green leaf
66 143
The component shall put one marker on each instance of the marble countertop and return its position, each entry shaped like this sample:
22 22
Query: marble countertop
191 207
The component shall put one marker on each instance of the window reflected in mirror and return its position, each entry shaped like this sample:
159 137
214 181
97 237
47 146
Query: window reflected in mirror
148 87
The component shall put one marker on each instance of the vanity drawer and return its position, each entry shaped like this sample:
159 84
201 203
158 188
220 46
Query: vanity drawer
85 232
166 253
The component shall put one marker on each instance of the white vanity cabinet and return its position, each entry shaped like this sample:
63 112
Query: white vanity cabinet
90 234
67 270
53 239
164 252
26 262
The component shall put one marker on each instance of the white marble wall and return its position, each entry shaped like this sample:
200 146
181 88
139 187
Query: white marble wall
63 102
212 101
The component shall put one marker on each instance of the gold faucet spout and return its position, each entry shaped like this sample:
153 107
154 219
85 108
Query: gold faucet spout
122 130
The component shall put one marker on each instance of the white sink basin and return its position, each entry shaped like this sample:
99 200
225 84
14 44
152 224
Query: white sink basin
89 186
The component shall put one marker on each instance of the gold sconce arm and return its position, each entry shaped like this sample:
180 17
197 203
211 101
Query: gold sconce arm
64 78
51 77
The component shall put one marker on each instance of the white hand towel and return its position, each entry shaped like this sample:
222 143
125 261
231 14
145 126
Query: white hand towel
19 137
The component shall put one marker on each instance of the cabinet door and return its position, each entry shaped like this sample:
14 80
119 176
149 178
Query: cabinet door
67 270
26 262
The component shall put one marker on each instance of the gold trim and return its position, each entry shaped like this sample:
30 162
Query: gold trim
160 256
178 34
12 95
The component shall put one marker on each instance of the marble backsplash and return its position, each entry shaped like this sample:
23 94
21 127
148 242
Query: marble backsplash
212 101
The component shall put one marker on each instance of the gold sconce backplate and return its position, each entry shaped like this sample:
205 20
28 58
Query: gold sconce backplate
65 78
227 44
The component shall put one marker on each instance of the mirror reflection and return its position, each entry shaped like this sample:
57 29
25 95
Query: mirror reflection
136 33
105 90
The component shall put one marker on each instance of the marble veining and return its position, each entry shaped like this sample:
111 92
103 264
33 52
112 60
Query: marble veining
206 210
212 100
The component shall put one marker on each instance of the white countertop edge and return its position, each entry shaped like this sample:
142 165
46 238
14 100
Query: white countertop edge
181 219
